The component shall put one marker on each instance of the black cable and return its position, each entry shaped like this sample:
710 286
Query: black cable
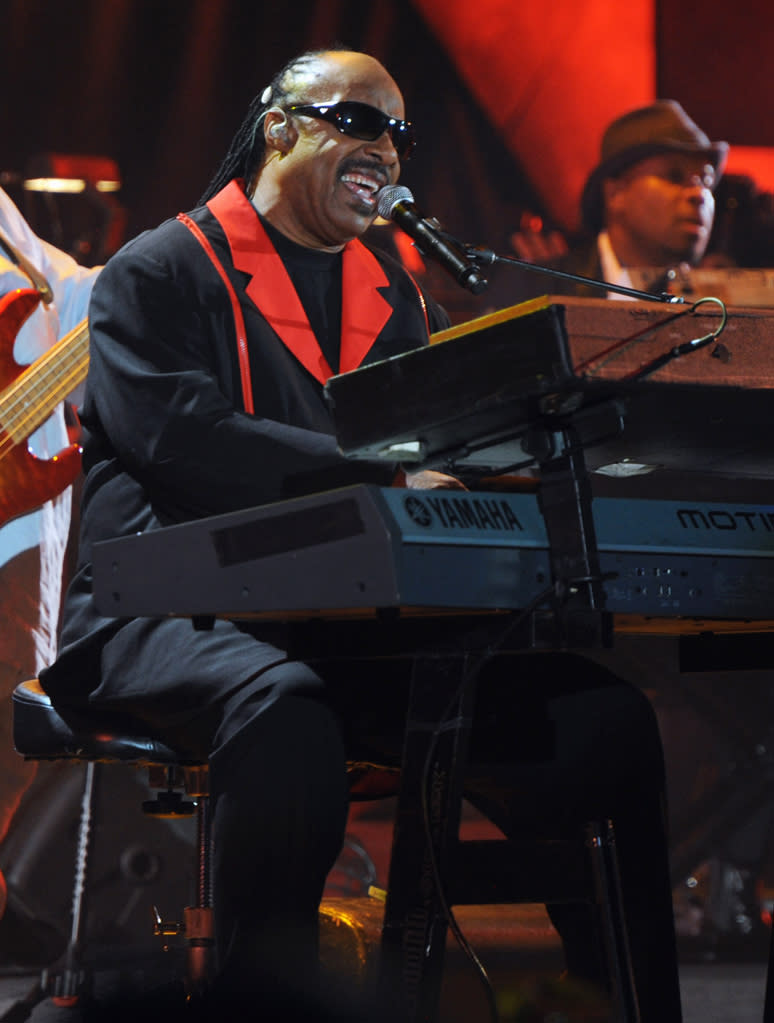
473 669
687 346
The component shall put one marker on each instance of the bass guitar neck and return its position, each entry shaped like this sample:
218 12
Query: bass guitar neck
28 398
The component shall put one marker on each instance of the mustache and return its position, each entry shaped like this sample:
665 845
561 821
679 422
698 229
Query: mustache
373 168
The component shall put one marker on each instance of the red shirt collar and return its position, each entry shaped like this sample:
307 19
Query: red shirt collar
364 310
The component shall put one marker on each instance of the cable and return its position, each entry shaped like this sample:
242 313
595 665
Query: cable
602 358
687 346
473 669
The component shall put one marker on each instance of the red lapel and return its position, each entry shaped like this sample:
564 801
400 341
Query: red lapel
364 311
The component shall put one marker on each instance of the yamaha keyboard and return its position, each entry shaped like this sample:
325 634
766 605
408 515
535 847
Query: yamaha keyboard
470 400
361 549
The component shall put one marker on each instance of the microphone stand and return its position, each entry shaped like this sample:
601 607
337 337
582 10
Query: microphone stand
489 258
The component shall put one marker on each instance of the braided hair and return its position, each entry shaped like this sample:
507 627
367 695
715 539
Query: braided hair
248 144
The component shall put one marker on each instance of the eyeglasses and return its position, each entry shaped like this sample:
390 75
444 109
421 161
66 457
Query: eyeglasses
683 170
362 121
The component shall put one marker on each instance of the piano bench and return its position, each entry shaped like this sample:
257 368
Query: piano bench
40 733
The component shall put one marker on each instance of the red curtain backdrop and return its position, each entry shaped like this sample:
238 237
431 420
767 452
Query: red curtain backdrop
510 99
160 86
550 77
717 59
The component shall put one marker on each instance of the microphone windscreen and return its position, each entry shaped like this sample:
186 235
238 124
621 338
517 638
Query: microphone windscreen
389 196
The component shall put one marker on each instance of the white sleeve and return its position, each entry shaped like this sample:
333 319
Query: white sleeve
70 282
71 285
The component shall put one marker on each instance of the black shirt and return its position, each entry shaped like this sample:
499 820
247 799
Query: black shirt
316 276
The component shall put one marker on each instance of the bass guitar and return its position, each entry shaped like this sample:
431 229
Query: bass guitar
26 401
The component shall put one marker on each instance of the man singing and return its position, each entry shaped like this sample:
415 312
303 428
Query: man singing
212 339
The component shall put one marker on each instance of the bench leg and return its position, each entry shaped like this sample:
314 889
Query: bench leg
199 928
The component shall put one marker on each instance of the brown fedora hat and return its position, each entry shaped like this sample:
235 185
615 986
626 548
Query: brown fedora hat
662 127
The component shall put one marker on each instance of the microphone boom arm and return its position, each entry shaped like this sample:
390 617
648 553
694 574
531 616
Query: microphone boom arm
488 258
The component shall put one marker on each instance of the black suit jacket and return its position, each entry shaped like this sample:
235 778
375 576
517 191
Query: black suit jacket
167 435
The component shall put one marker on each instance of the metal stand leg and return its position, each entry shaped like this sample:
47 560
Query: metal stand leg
768 1007
600 839
67 984
414 933
565 501
65 981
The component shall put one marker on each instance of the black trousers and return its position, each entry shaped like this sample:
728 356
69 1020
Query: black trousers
556 741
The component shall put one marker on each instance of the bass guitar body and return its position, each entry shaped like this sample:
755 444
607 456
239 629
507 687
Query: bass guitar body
26 482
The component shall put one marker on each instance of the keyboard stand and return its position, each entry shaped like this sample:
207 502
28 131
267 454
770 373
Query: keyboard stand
578 617
429 807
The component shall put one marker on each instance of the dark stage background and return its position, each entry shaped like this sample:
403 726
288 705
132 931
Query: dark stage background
509 99
160 86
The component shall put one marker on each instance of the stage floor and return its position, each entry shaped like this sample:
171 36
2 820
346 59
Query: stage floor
712 993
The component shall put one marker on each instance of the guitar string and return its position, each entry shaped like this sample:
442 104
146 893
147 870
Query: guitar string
70 349
51 386
21 410
29 423
29 415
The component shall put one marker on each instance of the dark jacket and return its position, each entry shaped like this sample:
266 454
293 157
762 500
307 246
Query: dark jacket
167 437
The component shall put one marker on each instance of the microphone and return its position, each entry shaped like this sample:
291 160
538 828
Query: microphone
395 202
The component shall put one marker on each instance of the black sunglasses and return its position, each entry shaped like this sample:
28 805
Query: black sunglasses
361 121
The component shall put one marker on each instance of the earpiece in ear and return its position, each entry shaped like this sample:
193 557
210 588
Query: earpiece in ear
280 132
